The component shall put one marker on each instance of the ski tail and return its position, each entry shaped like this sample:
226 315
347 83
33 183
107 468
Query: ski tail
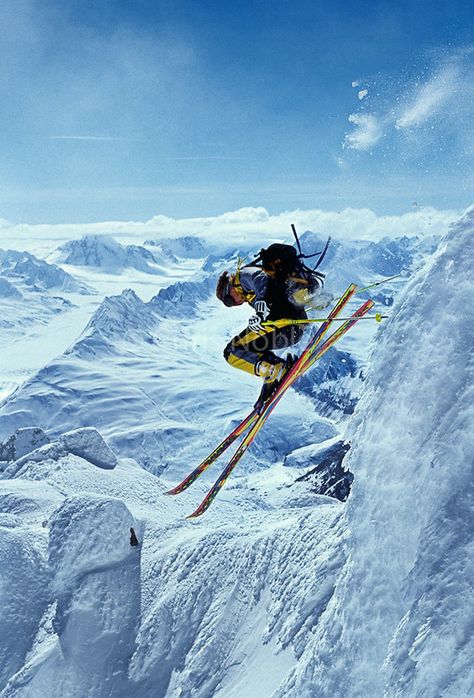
223 446
303 363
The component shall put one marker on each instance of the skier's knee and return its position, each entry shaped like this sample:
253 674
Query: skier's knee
227 351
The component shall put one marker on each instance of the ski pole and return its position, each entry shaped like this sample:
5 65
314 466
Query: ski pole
377 283
288 321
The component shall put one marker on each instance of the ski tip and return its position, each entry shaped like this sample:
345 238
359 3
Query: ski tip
195 514
174 490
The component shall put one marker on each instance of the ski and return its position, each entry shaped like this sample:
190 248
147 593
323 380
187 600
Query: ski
307 359
253 416
218 451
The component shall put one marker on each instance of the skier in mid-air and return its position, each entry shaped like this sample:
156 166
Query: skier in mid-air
277 285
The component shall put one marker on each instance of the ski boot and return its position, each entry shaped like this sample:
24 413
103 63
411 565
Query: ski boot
272 375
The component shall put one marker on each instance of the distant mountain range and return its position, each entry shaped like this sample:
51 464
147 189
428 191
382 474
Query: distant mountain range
22 269
105 253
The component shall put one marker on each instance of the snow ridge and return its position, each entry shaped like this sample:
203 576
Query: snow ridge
103 252
23 267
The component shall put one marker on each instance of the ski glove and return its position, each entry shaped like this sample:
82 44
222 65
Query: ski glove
255 322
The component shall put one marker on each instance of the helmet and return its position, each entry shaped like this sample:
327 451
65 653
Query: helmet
226 292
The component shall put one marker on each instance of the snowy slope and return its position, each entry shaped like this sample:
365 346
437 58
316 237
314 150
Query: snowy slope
276 591
194 610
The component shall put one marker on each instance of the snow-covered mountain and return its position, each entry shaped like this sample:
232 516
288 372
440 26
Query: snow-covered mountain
187 246
278 590
105 253
38 302
141 371
24 269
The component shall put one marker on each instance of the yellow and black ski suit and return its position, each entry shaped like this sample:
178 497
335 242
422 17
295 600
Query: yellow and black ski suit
248 348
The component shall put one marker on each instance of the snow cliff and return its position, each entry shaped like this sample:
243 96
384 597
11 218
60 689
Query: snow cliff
400 620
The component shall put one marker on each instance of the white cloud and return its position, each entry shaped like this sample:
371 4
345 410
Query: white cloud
246 226
367 133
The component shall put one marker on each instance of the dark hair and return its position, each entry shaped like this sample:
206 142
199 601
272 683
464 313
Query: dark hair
283 261
280 259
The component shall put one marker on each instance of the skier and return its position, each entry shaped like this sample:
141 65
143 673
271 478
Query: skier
277 285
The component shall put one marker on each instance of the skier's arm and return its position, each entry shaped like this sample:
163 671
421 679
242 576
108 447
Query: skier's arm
256 281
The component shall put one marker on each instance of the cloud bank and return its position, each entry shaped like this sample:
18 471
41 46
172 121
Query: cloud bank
249 226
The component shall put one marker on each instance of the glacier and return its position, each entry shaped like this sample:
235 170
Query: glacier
278 590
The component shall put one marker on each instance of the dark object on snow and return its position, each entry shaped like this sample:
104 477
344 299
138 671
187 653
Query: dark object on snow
329 476
133 537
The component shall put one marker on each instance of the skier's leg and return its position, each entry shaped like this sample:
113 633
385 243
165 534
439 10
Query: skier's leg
247 350
281 339
286 337
253 352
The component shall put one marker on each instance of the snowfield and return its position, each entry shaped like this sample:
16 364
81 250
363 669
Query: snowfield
277 591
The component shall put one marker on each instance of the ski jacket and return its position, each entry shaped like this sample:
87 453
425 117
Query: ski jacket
257 286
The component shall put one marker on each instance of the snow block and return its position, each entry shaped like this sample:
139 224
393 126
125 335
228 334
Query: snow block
96 582
20 443
23 598
87 443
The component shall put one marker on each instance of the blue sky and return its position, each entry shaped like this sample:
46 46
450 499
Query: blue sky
122 110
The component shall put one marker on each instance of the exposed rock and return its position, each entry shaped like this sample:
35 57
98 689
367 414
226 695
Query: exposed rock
329 476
